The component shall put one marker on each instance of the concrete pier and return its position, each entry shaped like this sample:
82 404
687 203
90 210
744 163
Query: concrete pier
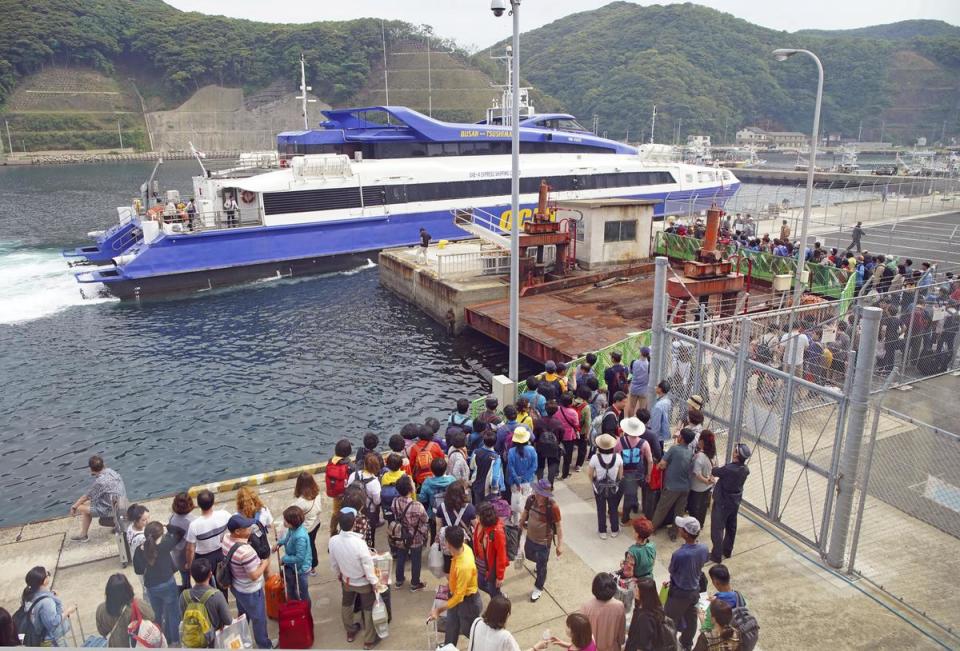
799 603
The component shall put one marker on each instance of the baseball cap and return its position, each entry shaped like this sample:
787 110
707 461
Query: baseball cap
689 524
238 521
645 351
550 366
743 450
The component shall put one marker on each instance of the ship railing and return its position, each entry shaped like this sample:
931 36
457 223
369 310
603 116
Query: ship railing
493 262
212 220
128 239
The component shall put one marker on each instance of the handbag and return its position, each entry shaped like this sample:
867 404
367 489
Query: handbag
435 560
235 635
656 478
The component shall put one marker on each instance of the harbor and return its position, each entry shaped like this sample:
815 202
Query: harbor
620 346
779 578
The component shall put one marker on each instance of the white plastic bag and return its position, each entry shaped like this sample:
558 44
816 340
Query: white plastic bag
435 560
380 618
235 635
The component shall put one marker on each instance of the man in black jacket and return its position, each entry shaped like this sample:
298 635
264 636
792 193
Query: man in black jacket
727 494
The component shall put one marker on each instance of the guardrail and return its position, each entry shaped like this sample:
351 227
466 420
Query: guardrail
824 279
483 263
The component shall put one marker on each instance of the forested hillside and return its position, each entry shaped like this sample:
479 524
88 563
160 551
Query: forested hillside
173 53
710 72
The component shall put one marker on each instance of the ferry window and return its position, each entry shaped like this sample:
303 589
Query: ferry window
434 149
689 178
451 148
620 231
481 148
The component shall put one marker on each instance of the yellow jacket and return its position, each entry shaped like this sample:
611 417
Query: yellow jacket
463 576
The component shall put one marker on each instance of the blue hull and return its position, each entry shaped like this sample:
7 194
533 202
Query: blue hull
114 242
175 263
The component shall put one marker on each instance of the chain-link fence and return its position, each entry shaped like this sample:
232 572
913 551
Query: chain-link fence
907 530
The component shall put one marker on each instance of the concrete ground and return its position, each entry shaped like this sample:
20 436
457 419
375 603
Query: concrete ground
797 602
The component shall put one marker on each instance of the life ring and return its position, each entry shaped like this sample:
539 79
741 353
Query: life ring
248 197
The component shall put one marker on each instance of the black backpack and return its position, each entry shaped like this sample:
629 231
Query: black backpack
399 535
548 446
608 486
32 634
224 569
746 623
260 543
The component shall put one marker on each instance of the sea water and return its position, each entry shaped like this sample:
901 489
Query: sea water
192 389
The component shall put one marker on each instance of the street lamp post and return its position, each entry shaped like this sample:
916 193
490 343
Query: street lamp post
783 54
498 7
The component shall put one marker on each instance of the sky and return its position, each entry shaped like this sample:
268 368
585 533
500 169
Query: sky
472 25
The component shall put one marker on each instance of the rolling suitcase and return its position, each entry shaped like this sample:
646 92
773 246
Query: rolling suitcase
120 531
296 622
275 592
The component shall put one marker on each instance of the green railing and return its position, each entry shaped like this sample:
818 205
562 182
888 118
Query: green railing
824 279
629 348
848 294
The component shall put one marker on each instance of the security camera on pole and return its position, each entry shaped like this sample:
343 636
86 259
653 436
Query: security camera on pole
498 7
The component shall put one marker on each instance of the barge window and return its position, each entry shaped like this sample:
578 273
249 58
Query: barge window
620 231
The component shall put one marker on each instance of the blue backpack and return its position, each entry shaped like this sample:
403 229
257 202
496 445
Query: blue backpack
387 494
633 461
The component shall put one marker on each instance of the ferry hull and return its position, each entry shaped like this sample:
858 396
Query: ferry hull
204 261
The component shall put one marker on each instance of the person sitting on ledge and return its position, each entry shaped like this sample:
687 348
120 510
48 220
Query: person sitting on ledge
98 501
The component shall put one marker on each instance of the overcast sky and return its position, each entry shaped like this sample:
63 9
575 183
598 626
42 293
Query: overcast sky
472 25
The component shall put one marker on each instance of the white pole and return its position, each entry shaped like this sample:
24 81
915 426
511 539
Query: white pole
515 198
303 90
120 133
386 85
808 199
9 141
430 90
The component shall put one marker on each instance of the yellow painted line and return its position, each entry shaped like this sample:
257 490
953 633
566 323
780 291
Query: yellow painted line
270 477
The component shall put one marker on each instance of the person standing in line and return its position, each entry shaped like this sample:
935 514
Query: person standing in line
521 469
113 615
98 501
337 473
721 636
8 630
605 471
247 570
48 618
727 493
352 563
686 569
647 631
368 480
413 520
178 525
306 495
637 463
856 234
249 505
541 520
297 559
205 533
230 207
424 245
464 604
675 464
639 380
606 614
218 613
153 561
660 414
570 420
615 376
643 551
490 549
701 479
486 469
458 465
489 632
581 405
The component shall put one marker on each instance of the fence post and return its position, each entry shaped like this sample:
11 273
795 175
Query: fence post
658 327
740 385
856 420
697 371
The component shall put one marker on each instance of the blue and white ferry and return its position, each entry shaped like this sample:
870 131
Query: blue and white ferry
369 179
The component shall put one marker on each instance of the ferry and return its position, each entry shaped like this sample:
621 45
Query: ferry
369 179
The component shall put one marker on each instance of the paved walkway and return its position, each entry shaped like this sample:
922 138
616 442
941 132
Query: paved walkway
798 604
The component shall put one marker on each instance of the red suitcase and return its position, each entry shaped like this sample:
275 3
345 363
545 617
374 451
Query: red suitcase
296 622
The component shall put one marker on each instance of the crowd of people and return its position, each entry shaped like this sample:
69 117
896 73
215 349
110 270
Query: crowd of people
468 497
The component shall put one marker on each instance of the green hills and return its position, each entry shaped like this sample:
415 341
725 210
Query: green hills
74 73
710 72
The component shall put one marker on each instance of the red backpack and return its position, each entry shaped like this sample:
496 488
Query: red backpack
336 477
421 462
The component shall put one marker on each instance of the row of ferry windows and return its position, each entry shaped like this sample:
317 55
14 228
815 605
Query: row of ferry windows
429 149
279 203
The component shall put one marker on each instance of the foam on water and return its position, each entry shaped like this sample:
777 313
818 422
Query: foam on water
36 283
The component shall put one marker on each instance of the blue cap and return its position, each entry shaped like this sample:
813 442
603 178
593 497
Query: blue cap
238 521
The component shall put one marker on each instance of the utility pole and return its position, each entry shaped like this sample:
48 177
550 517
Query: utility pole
120 133
303 90
626 138
883 126
860 131
596 123
653 123
429 81
386 85
9 140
